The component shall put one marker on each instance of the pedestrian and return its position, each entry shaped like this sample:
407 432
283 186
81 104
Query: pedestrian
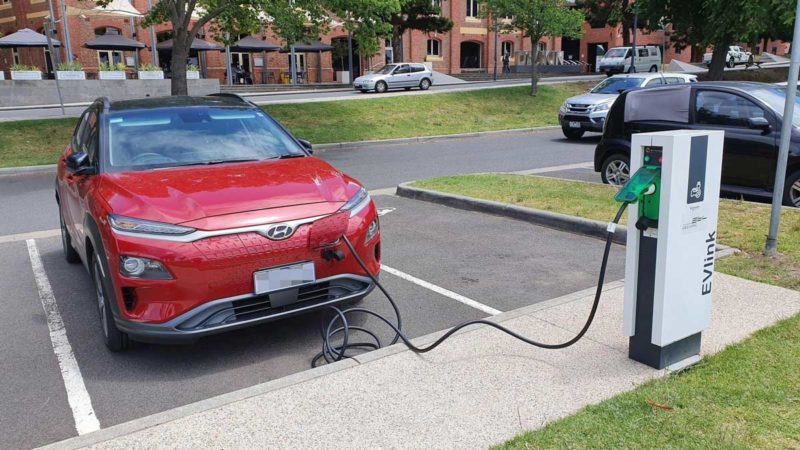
506 67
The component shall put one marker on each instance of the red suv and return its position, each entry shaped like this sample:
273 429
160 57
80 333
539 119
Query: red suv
196 215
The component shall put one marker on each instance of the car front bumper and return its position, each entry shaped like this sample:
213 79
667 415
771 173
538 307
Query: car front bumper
585 122
612 69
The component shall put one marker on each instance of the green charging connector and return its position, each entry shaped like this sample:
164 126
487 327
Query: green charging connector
635 189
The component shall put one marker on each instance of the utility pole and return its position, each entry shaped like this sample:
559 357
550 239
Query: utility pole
153 51
635 28
48 31
771 247
65 25
349 55
496 28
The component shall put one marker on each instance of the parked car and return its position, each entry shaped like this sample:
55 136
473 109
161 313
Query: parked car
749 113
736 55
394 76
197 215
587 112
618 60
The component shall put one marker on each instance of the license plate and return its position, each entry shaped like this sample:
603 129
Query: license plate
574 124
284 277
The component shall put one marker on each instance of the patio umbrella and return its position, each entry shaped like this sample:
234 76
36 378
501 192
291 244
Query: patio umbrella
311 47
113 42
197 44
26 38
252 44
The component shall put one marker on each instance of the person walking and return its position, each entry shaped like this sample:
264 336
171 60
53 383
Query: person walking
506 67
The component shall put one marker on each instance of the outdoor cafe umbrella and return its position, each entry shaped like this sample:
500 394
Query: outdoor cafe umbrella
251 44
114 42
197 44
26 38
311 47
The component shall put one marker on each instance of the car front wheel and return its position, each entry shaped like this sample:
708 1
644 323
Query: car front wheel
616 170
115 340
791 193
380 87
425 84
572 134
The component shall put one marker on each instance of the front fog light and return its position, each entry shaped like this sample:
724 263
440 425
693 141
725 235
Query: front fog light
136 267
374 226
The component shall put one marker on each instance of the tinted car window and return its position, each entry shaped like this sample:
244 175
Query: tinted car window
387 69
418 68
642 52
402 69
674 80
169 137
91 140
615 85
725 109
654 82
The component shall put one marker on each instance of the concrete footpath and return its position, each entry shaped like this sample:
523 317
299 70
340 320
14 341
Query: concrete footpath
479 388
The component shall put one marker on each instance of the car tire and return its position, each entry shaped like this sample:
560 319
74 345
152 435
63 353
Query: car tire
363 91
653 68
791 191
750 60
572 135
616 170
381 87
115 340
407 88
425 84
70 254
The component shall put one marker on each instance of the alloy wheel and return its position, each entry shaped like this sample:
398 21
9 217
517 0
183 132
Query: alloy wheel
101 298
617 172
794 194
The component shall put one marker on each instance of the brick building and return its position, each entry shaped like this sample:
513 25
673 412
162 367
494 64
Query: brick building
469 47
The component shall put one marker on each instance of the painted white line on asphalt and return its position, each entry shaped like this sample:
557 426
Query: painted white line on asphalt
32 235
584 165
440 290
77 395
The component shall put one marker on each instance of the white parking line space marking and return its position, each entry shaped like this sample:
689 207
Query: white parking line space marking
585 165
440 290
77 395
31 235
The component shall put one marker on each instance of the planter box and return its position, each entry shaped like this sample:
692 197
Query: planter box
26 75
112 74
343 76
151 75
192 75
70 74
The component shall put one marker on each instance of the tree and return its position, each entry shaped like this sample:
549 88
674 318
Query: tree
420 15
613 13
708 23
536 19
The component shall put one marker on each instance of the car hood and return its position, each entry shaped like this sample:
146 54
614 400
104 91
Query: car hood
372 76
180 195
612 61
591 99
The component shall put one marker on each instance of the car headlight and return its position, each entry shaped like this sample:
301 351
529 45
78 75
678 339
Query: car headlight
357 202
563 108
374 226
602 107
137 267
131 225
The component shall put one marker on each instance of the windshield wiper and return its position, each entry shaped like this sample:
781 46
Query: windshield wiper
292 155
216 161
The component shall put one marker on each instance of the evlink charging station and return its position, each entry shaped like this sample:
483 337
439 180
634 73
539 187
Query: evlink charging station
672 201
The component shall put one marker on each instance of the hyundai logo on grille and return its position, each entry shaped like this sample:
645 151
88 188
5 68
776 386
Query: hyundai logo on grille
279 231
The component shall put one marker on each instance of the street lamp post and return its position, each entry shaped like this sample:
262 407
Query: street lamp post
153 51
65 25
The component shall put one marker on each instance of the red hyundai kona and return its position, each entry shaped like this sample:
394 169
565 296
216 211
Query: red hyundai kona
197 215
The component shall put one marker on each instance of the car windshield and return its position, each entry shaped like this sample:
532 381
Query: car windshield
387 69
775 98
617 53
615 85
181 136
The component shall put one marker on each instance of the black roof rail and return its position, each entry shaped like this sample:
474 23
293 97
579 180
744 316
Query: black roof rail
106 103
234 96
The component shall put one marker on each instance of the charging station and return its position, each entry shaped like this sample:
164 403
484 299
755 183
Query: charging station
673 201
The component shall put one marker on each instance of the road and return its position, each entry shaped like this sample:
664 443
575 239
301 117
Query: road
53 111
430 254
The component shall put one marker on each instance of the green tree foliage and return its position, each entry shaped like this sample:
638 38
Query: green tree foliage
420 15
536 19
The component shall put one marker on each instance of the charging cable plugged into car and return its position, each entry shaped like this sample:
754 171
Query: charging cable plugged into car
672 219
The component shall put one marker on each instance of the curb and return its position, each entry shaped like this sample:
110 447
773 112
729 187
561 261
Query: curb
557 221
561 222
170 415
49 168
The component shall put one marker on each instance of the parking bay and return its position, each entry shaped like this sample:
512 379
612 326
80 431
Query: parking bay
498 263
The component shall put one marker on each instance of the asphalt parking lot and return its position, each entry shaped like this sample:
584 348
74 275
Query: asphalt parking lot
452 258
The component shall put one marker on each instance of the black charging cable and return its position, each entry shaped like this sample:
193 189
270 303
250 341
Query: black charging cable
339 324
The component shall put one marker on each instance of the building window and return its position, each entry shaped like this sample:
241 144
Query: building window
507 48
106 30
434 47
110 57
15 55
472 8
3 2
434 3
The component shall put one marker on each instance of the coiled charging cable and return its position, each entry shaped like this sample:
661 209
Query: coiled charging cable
339 324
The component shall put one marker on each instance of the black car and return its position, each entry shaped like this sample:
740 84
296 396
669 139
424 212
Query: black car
749 113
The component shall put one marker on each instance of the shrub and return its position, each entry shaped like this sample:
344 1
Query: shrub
192 68
147 67
108 67
23 67
73 66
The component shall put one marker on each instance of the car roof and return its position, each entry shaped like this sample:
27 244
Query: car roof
178 102
654 75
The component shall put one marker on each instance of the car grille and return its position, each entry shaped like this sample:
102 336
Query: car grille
260 307
577 108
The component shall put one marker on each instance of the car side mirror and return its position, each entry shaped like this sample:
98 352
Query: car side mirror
78 164
759 123
306 145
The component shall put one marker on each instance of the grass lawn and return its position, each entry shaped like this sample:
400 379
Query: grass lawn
742 225
34 142
747 396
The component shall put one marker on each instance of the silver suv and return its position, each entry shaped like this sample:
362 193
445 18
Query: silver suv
393 76
587 112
